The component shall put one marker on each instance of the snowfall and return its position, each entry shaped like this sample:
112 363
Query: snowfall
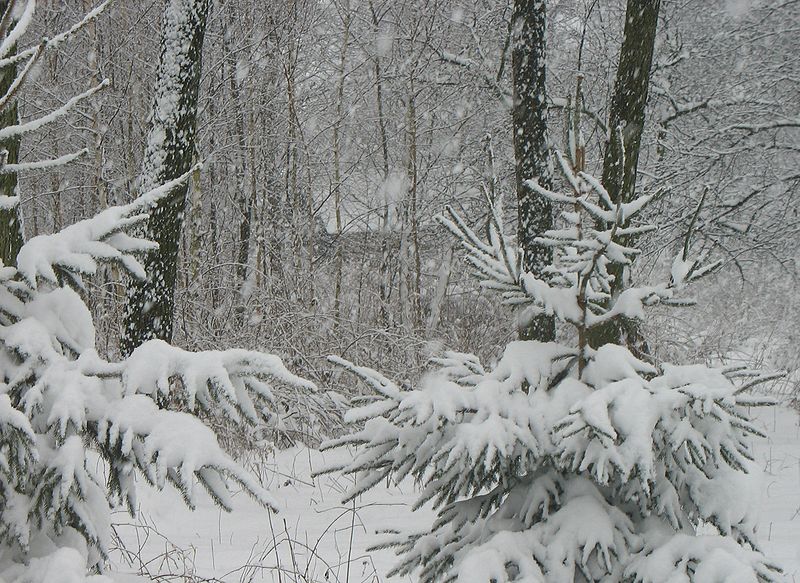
316 538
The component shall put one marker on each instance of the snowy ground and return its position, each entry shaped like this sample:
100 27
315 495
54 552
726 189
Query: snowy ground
779 456
315 538
314 534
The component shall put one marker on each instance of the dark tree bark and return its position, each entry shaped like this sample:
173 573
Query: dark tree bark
535 215
11 238
169 153
626 122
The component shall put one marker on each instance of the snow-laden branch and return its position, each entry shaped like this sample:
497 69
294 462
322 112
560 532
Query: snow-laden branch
21 77
35 124
78 397
530 466
20 27
584 253
753 128
481 424
79 248
51 43
141 411
250 386
43 164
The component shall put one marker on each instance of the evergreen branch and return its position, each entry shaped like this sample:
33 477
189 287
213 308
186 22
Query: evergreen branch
761 379
373 378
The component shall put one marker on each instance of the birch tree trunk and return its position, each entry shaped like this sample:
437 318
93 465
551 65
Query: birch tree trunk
169 153
534 213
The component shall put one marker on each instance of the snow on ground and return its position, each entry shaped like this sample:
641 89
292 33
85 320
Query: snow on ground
779 456
316 537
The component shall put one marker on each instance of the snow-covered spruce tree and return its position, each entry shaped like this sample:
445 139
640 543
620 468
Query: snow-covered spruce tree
16 66
76 429
563 463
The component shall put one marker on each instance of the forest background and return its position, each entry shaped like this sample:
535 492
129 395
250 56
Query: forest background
333 132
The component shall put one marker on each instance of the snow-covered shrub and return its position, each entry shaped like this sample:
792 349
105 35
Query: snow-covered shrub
566 463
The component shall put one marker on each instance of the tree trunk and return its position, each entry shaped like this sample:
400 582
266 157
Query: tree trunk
244 199
292 163
337 163
440 293
415 278
621 157
169 153
11 239
385 270
535 215
101 192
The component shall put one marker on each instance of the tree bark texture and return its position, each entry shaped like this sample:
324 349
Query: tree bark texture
621 157
169 153
11 238
534 213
